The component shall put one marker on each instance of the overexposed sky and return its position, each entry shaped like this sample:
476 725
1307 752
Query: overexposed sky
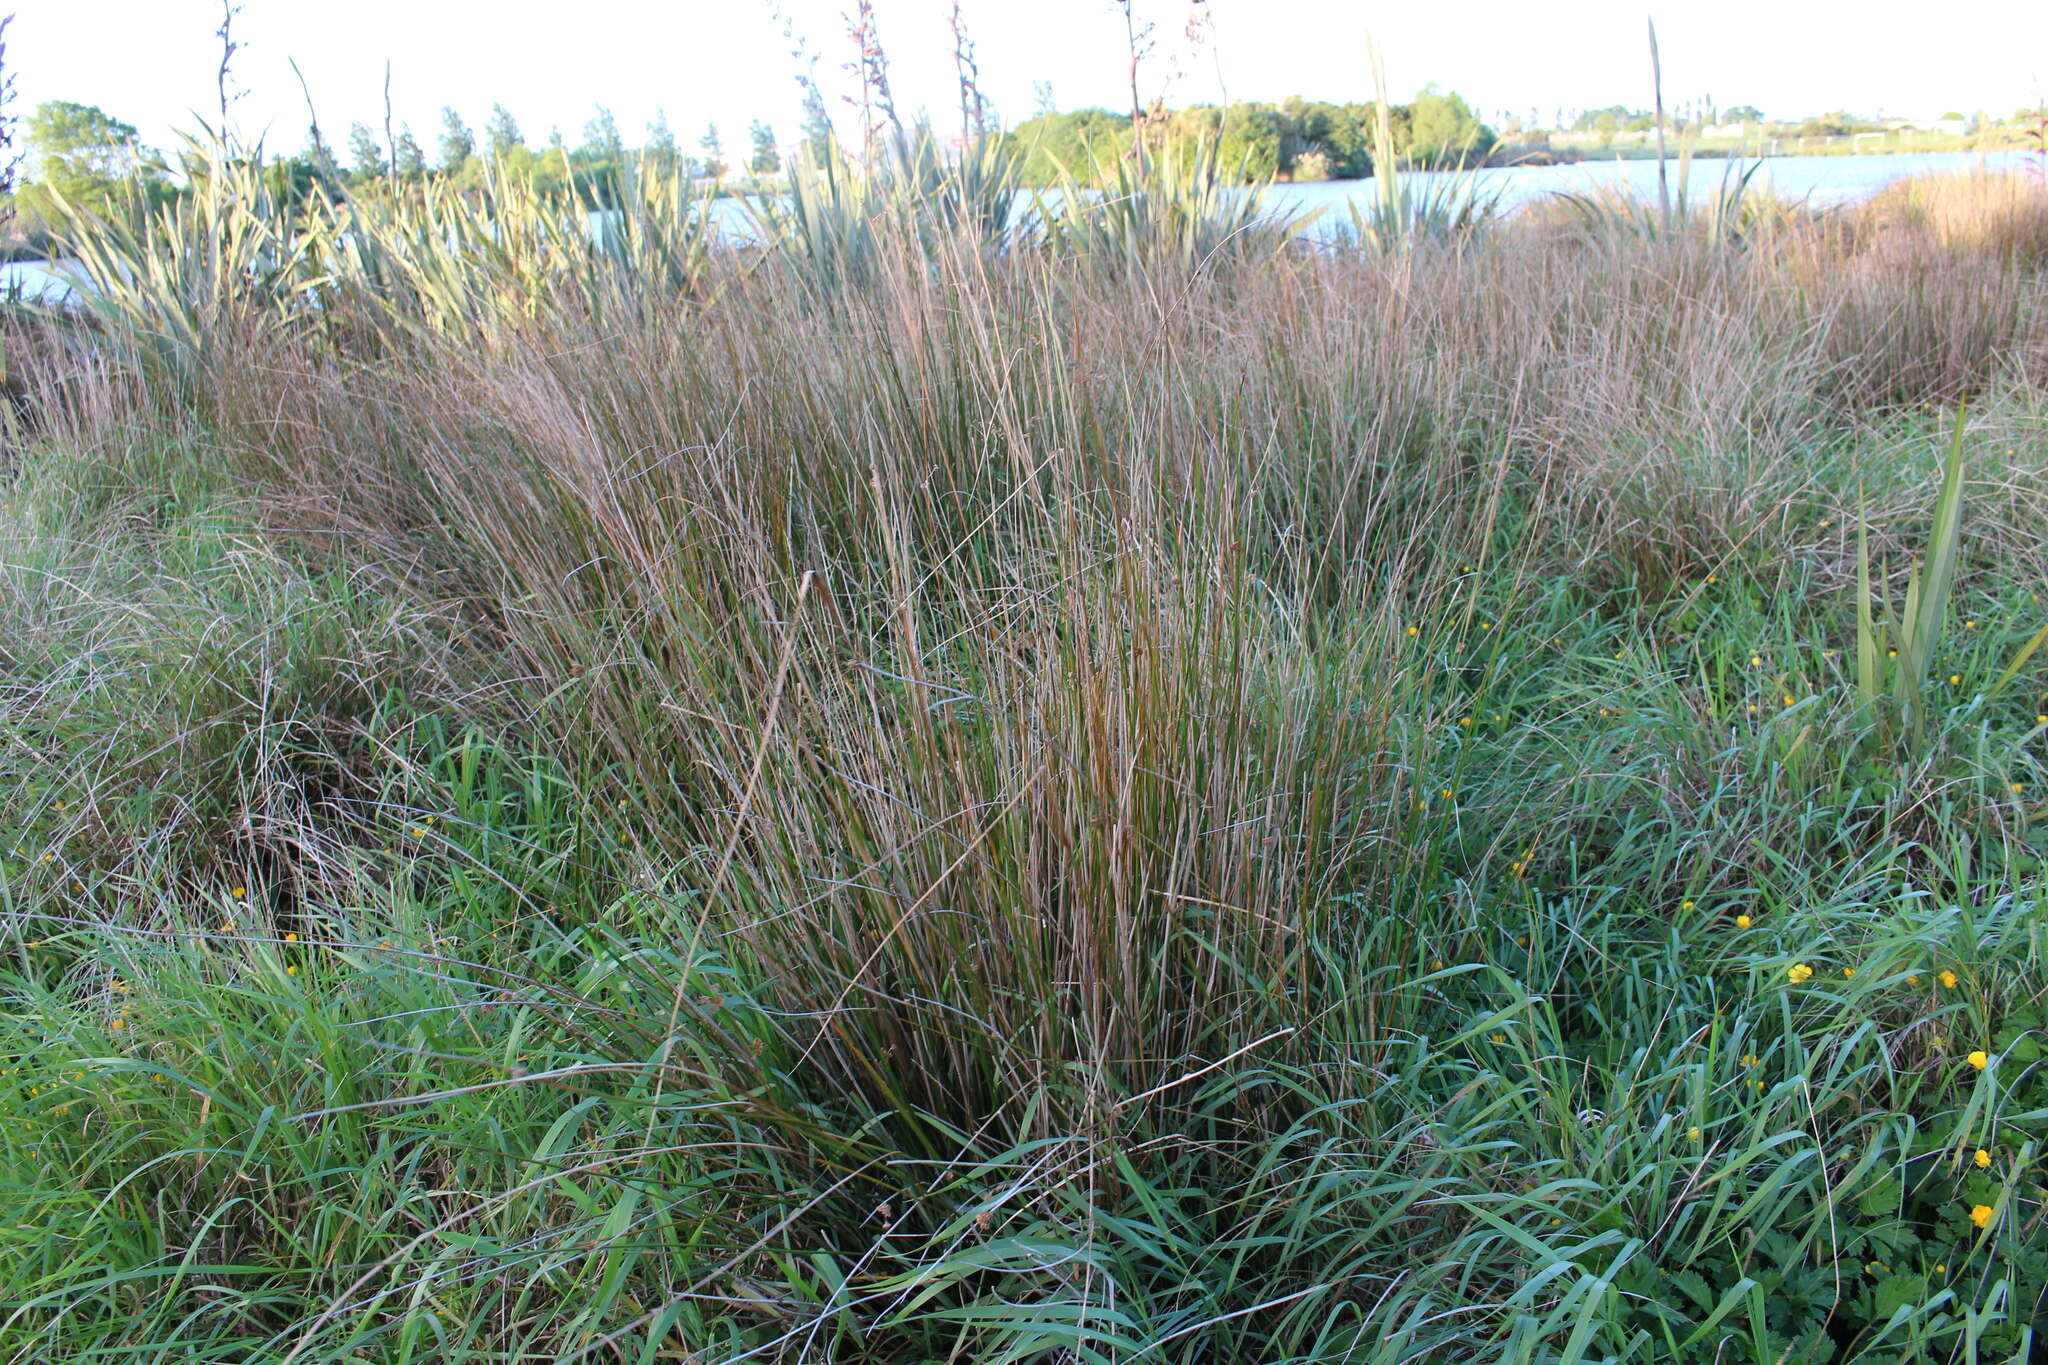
152 62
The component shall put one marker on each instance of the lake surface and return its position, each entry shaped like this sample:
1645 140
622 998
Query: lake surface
1818 180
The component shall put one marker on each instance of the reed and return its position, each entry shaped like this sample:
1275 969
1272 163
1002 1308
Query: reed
959 779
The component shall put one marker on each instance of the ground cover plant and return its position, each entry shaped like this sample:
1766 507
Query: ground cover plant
965 778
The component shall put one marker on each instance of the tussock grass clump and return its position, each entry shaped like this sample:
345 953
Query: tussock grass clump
1110 784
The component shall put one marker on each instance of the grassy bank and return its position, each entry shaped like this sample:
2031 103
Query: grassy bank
1146 792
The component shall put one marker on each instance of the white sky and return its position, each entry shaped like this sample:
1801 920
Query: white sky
152 62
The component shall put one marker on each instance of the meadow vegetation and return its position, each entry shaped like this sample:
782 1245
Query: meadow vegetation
965 780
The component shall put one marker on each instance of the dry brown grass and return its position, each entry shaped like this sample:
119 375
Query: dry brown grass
1036 627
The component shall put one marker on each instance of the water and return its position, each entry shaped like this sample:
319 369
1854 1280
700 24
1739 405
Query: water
35 280
1817 180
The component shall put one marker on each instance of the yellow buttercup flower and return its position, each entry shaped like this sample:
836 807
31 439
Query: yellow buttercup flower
1687 905
240 892
1954 678
1743 921
1798 972
1848 972
1983 1158
1980 1059
1980 1214
1912 981
1948 979
1693 1133
1414 631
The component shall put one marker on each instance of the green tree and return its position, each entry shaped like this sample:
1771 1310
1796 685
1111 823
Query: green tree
365 152
1082 144
84 153
501 133
601 140
410 157
661 151
816 129
765 158
1745 113
1248 142
599 162
1443 130
1612 119
458 144
321 157
714 153
1331 136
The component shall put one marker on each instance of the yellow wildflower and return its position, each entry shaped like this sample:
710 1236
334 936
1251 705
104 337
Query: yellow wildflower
1414 631
1687 905
1980 1214
1979 1059
1798 972
1912 980
1983 1158
1948 978
1743 921
1693 1133
1848 972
